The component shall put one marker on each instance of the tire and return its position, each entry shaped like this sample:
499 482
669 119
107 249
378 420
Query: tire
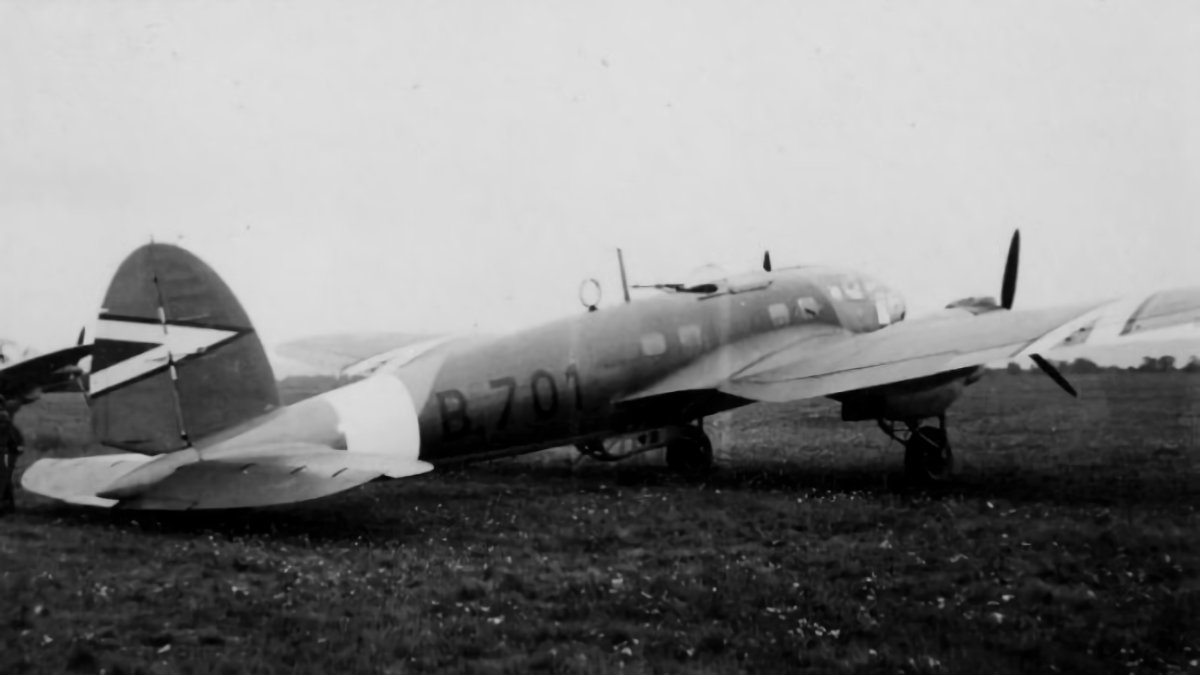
928 458
690 455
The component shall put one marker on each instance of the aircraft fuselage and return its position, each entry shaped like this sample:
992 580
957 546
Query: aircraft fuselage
565 381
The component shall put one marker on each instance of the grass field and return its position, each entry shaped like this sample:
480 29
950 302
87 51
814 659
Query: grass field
1067 544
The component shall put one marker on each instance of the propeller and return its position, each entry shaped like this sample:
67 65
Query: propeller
1008 292
1054 374
767 261
1008 289
80 378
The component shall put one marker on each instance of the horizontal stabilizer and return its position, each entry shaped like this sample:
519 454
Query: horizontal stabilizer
235 477
78 480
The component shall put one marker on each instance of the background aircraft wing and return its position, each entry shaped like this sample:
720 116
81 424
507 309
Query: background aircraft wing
41 372
823 361
354 353
1162 316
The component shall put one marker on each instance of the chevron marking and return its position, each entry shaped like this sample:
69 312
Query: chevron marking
173 344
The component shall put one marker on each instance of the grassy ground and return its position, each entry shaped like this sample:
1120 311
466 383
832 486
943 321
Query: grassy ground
1068 543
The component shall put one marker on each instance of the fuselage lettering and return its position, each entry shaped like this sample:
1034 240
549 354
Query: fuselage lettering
545 394
453 407
510 385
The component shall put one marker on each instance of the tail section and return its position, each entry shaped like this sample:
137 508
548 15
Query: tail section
175 358
178 372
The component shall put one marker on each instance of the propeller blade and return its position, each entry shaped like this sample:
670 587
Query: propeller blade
1008 288
82 331
1054 374
767 261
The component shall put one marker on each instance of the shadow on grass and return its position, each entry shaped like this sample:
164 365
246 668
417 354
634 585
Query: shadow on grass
349 518
397 511
1103 485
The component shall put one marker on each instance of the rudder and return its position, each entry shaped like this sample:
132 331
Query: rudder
176 358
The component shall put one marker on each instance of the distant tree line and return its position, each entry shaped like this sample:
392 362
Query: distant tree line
1150 364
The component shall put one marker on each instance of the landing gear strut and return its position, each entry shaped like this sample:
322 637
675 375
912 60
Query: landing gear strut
691 454
927 455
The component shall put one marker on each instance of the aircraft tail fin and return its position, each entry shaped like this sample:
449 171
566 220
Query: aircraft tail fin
175 357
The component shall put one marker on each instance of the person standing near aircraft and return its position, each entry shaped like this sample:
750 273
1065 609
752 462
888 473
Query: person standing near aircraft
11 442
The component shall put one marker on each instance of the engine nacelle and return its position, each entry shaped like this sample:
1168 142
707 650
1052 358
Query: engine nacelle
917 399
975 305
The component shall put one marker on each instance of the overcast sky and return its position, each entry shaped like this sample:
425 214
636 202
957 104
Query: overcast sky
441 165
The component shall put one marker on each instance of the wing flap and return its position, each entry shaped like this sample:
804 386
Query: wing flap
713 369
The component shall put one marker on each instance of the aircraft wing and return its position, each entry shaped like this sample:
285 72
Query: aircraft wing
357 354
1172 314
821 361
263 475
41 372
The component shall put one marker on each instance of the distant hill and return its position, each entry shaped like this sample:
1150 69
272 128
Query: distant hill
1122 356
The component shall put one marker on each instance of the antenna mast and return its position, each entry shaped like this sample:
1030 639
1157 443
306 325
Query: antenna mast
624 283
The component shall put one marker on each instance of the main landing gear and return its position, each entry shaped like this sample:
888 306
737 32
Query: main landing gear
928 458
689 452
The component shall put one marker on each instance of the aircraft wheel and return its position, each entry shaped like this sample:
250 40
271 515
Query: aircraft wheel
690 455
928 457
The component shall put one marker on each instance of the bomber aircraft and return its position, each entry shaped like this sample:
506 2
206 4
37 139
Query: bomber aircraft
180 382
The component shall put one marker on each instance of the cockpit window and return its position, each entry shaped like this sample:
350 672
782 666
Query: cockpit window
809 308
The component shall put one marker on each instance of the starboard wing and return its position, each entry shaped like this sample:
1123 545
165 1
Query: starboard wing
822 362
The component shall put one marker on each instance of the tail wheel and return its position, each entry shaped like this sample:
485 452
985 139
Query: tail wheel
927 456
691 454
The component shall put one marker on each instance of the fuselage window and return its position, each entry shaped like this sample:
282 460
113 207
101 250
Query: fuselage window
835 292
779 314
691 338
653 344
853 289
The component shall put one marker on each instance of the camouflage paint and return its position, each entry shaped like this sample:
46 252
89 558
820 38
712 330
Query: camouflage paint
561 382
558 383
